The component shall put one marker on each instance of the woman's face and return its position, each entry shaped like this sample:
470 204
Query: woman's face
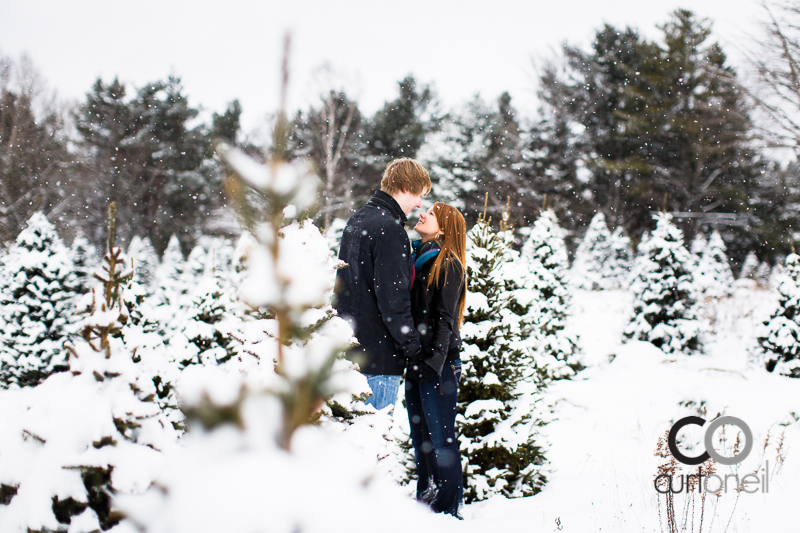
428 226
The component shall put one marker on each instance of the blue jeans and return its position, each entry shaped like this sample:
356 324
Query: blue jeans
432 415
384 390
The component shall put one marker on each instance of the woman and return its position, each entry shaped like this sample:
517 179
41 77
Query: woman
438 293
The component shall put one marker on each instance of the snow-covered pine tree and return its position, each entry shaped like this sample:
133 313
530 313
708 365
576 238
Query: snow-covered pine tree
205 335
545 255
779 337
142 337
590 268
85 436
497 445
749 266
764 274
169 275
172 296
664 307
197 265
642 242
84 257
621 260
145 262
697 248
523 314
776 272
333 234
38 291
713 274
220 254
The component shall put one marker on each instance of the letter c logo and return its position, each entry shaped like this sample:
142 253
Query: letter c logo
708 441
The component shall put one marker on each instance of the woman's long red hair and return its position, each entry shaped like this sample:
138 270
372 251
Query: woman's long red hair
453 244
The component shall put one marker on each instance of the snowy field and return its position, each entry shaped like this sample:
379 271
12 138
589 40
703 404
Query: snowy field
607 422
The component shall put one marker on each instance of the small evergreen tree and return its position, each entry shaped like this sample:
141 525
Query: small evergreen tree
697 248
749 266
196 266
621 260
546 256
592 259
500 453
664 307
713 274
764 274
206 338
83 256
779 337
145 262
172 296
38 290
170 279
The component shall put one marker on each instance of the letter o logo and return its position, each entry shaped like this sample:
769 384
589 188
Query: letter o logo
710 451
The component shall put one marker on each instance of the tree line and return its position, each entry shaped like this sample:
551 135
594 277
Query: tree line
626 127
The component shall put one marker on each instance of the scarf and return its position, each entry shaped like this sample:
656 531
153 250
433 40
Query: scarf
423 252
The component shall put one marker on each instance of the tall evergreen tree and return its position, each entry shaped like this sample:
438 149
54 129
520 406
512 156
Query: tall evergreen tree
399 128
146 153
551 154
457 157
226 126
475 151
652 119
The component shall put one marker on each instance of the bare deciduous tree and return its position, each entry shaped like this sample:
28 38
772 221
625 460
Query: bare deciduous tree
337 117
777 65
34 161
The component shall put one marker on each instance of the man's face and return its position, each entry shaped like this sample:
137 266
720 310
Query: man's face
408 201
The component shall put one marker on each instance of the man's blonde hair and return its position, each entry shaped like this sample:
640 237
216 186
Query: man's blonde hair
405 175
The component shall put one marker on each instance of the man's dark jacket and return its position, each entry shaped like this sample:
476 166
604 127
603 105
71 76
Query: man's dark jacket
373 291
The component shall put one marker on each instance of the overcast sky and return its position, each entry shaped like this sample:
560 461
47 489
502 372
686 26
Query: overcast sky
232 49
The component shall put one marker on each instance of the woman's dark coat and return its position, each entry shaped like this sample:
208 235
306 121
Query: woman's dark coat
435 312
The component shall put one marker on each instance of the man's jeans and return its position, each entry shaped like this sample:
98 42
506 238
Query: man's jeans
432 415
384 390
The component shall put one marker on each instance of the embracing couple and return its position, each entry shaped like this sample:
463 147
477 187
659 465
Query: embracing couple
405 302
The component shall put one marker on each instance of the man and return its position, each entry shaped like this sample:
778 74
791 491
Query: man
373 291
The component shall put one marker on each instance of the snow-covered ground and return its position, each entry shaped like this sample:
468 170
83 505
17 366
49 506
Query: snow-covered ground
607 422
604 429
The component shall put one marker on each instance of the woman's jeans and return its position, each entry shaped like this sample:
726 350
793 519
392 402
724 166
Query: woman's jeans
432 415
